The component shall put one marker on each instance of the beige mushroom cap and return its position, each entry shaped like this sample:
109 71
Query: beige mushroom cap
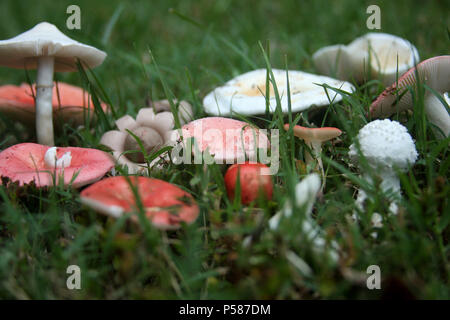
45 39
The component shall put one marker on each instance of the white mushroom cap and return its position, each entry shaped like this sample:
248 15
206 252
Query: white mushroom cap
385 144
389 56
45 39
245 94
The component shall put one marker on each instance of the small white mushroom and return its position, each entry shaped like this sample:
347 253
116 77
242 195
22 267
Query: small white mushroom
51 160
384 55
44 47
245 94
386 146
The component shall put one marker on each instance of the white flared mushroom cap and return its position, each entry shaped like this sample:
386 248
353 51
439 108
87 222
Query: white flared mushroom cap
45 39
245 94
387 54
435 73
385 144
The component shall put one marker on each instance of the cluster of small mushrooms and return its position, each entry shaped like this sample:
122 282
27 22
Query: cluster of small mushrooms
383 145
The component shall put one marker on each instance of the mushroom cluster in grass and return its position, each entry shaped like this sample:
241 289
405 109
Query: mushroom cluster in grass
434 73
71 104
30 162
386 147
254 181
226 140
44 47
165 205
246 94
314 138
153 130
378 55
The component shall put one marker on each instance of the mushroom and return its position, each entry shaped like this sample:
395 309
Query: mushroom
386 146
380 55
185 113
153 130
227 140
69 103
314 137
44 47
435 73
166 205
43 165
254 181
245 94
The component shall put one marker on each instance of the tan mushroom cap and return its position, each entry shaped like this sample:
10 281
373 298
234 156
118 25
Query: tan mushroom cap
315 134
45 39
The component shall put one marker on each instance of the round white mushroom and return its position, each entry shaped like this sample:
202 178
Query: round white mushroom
386 146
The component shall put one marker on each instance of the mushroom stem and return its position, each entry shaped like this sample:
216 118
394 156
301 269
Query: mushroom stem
438 115
316 148
44 89
389 184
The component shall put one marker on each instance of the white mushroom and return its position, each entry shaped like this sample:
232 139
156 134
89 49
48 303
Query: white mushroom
386 146
51 160
384 55
245 94
44 47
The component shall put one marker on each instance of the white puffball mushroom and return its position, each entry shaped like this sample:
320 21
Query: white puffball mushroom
46 48
387 146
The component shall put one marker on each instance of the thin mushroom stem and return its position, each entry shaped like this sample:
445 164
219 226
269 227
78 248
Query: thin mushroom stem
44 90
316 148
438 115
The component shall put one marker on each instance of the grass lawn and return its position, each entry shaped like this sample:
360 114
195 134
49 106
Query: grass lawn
193 47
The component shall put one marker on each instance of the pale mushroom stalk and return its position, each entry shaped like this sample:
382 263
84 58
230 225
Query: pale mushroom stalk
44 89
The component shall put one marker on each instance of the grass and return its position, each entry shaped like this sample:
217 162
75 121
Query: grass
185 49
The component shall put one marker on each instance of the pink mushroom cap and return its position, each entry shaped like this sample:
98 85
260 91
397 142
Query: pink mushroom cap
69 102
223 138
24 163
165 204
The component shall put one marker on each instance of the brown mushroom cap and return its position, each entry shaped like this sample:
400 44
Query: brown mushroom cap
165 204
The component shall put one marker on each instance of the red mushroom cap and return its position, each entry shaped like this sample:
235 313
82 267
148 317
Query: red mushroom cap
223 137
69 102
165 204
254 179
24 163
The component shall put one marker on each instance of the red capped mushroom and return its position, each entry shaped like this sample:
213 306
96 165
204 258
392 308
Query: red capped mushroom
254 180
227 140
69 103
435 73
166 205
28 162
